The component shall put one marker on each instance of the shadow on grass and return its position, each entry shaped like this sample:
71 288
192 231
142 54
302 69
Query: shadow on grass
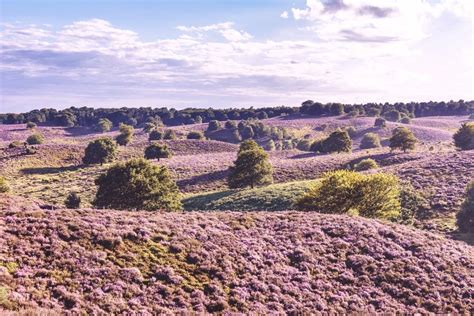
466 237
51 170
203 179
201 202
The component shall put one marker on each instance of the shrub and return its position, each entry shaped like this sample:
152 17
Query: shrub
351 130
198 119
35 139
465 217
380 122
464 136
270 145
344 191
304 145
101 151
104 125
317 146
366 164
393 116
287 144
148 127
137 184
370 140
16 144
230 125
412 204
405 120
30 125
169 134
235 136
155 135
4 188
73 200
125 136
402 138
195 135
213 125
338 141
247 132
156 151
251 168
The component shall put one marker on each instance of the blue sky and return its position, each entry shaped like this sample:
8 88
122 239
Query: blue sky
232 53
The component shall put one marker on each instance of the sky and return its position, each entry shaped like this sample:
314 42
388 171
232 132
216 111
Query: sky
114 53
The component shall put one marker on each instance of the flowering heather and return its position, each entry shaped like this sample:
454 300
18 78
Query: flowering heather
111 262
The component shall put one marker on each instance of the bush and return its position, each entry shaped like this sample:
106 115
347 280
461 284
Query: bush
247 132
338 141
169 134
195 135
465 217
4 188
156 151
351 130
412 204
464 136
370 140
366 164
317 146
126 135
380 122
393 116
101 151
148 127
104 125
16 144
304 145
35 139
251 168
402 138
137 184
344 191
213 125
270 145
405 120
155 135
230 125
30 125
73 200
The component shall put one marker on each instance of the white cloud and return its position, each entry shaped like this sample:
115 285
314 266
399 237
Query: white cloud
284 15
226 29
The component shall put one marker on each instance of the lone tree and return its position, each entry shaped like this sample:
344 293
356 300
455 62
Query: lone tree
338 141
380 122
137 184
213 125
104 125
370 140
73 200
155 135
157 151
465 217
101 151
251 168
125 136
464 136
195 135
35 139
402 138
4 188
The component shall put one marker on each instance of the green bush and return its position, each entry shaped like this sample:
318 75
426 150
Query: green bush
412 203
370 140
73 200
393 116
465 217
247 132
101 151
195 135
402 138
405 120
213 125
125 136
338 141
156 151
104 125
149 126
366 164
230 125
464 136
4 188
30 125
169 134
35 139
137 184
380 122
155 135
349 192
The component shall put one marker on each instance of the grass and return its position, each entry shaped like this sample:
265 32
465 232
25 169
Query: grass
275 197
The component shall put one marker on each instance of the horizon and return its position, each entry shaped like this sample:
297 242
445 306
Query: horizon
201 54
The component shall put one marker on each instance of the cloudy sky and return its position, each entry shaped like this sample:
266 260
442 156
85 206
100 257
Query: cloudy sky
232 53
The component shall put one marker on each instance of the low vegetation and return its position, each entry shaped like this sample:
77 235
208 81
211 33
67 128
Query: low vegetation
403 139
366 164
100 151
125 136
465 217
35 139
464 137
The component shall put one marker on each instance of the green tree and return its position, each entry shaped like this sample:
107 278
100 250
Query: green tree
125 136
137 184
4 188
35 139
464 136
104 125
157 151
380 122
101 150
370 140
402 138
393 116
195 135
213 125
465 217
252 167
230 125
338 141
155 135
366 164
73 200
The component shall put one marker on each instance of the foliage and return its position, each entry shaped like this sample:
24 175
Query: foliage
251 168
214 125
137 184
169 134
349 192
35 139
366 164
465 217
16 144
412 204
155 135
304 145
392 115
4 185
405 120
125 136
247 132
30 125
464 136
380 122
338 141
352 131
230 125
270 145
370 140
195 135
101 150
157 151
73 200
104 125
402 138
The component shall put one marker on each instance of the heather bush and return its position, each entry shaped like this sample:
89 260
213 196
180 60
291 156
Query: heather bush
366 164
125 136
195 135
104 125
73 200
137 184
35 139
30 125
4 185
169 134
349 192
155 135
101 151
380 122
402 138
252 167
464 136
213 125
370 140
465 217
157 151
